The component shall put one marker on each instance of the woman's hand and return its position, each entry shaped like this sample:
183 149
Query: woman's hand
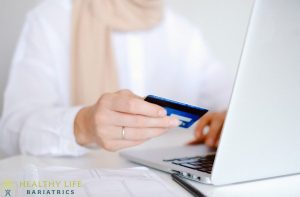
209 129
103 122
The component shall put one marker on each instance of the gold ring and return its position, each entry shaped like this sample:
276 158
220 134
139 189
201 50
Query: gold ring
123 133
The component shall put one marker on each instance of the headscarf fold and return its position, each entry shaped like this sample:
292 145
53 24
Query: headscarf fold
93 68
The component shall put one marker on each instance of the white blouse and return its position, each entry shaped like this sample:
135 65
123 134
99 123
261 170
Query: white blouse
170 61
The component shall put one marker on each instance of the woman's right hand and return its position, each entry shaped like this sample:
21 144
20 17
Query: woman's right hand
103 122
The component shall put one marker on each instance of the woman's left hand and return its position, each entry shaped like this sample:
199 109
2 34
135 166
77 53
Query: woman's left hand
213 121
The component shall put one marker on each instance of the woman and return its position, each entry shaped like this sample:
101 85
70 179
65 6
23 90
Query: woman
66 89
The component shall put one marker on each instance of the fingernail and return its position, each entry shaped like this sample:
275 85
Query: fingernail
162 113
175 122
210 142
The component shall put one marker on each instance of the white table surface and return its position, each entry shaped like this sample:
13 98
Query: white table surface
283 186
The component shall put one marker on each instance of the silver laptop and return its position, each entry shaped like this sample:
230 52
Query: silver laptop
261 134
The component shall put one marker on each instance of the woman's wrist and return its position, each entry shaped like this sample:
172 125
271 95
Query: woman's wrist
82 131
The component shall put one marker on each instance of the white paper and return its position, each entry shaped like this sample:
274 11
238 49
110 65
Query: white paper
131 182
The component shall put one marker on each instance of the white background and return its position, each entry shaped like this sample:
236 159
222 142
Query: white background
223 24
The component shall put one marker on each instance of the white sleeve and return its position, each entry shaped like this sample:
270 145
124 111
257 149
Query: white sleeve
36 119
215 81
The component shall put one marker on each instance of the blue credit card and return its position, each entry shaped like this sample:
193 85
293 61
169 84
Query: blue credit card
187 114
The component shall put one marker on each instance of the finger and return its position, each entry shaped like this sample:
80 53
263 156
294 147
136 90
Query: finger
137 134
196 141
129 93
134 105
218 137
203 122
214 132
133 134
138 121
217 142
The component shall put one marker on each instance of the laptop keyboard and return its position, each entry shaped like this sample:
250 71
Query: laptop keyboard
200 163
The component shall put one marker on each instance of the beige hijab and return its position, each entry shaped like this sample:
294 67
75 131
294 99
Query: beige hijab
93 70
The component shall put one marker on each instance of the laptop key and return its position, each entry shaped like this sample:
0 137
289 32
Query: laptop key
189 166
185 161
200 163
